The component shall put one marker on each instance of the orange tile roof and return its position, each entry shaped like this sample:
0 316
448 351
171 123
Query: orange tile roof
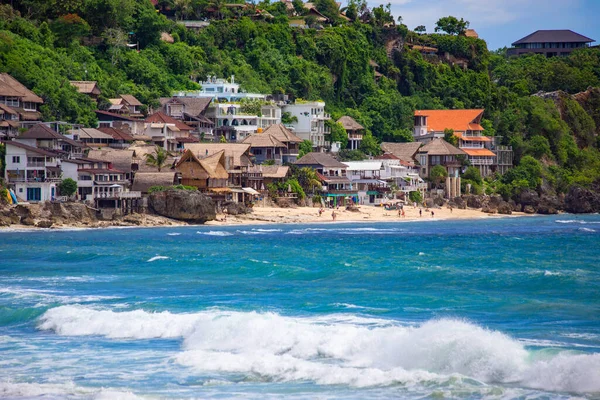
458 120
479 152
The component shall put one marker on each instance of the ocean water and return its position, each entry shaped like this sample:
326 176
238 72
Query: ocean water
494 308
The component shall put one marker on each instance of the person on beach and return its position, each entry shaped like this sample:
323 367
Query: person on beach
420 212
432 214
320 211
403 213
333 215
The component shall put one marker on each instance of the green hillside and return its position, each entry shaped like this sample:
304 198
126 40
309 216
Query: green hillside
44 44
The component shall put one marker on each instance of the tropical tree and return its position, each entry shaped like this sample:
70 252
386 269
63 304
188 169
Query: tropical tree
437 174
451 25
450 137
308 179
304 148
420 29
158 158
67 187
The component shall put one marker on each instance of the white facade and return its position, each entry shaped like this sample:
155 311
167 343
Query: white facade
311 122
222 90
27 170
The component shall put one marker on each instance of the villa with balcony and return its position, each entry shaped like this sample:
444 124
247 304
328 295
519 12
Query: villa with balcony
550 43
310 124
431 124
168 132
32 172
354 130
337 188
221 90
96 179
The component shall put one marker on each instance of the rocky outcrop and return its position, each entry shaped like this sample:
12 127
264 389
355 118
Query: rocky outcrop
237 208
580 200
47 214
183 205
458 202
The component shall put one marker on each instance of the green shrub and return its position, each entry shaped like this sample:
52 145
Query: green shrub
416 197
154 189
316 199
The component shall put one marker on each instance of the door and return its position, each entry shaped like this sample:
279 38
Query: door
34 194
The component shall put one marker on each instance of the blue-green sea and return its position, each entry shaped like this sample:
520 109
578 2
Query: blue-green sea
491 308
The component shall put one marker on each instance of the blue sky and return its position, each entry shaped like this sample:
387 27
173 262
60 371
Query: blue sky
501 22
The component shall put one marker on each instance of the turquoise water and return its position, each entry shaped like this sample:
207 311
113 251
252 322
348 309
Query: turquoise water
495 308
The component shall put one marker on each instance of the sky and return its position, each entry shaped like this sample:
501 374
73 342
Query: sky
501 22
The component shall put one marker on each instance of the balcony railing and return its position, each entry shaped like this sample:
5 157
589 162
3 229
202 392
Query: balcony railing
32 164
488 161
118 195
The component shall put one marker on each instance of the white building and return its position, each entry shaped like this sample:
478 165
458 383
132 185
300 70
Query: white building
225 90
311 122
33 172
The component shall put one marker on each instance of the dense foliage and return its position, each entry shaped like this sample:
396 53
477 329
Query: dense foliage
44 44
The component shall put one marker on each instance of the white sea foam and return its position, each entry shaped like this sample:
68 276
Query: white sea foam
155 258
44 297
173 233
9 389
587 230
339 349
576 221
266 230
215 233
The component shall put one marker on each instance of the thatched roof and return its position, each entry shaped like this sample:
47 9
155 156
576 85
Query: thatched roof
322 159
117 134
145 180
238 152
439 147
350 123
86 87
139 156
263 140
193 106
282 133
89 133
404 151
120 159
214 165
131 100
11 87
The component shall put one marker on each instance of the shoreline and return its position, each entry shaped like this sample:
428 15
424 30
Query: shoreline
292 215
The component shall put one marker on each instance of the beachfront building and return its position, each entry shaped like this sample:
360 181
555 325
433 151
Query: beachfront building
404 175
550 43
43 137
337 188
33 173
465 124
276 143
120 159
143 181
203 173
310 124
365 177
96 179
91 137
439 152
19 107
354 130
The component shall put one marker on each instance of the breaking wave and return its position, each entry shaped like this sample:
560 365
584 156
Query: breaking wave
215 233
155 258
339 349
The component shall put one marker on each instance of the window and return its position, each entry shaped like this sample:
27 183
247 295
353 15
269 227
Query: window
34 194
29 106
12 101
16 159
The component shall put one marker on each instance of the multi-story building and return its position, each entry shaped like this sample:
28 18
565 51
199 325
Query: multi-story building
465 124
221 90
310 124
550 43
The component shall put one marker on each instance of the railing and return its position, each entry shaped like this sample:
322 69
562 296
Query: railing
118 195
414 188
31 164
33 180
488 161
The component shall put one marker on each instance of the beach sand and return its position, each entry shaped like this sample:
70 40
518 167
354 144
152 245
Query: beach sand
262 215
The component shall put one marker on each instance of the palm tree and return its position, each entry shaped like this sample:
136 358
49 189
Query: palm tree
158 159
308 179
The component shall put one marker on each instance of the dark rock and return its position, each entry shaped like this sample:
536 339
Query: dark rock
429 203
514 206
236 208
438 201
494 201
460 203
505 208
529 210
45 223
580 200
352 209
474 201
528 197
489 209
28 221
5 221
184 205
549 204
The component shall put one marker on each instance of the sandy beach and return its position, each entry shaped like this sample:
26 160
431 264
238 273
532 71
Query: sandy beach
365 214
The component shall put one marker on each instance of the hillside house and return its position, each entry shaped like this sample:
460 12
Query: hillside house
168 132
44 137
19 106
311 125
134 127
192 111
337 187
127 105
89 88
465 124
354 130
439 152
550 43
